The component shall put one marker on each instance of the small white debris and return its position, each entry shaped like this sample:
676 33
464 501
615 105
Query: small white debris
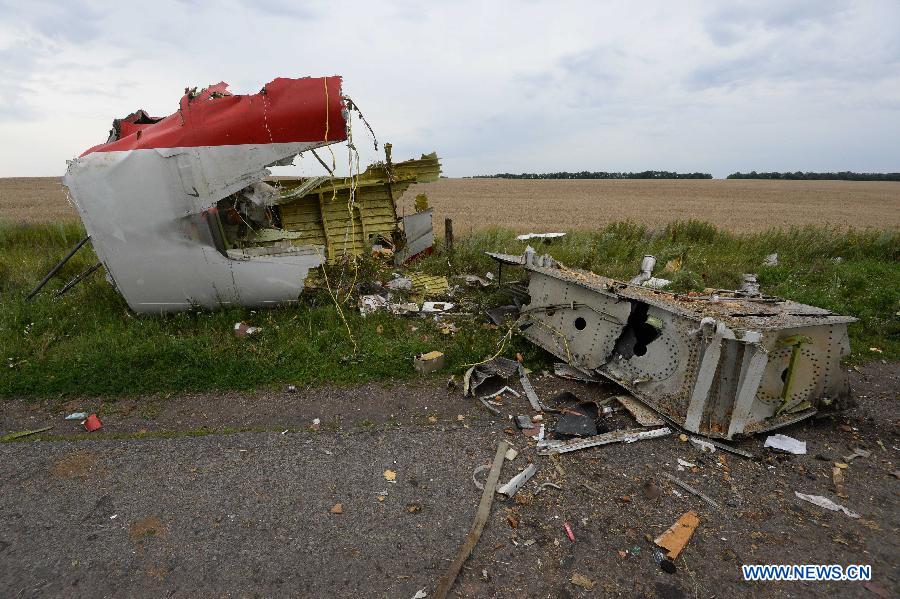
826 503
785 443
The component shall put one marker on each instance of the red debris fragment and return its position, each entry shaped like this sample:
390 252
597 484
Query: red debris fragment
92 423
569 532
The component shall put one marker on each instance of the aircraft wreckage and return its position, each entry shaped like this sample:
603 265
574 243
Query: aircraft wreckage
717 364
181 214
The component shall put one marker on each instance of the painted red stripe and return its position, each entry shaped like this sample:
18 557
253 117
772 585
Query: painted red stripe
285 111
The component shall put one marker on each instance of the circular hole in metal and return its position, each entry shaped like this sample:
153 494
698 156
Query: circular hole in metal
580 323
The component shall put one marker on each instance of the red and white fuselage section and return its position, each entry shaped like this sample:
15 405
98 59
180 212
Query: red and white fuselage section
143 194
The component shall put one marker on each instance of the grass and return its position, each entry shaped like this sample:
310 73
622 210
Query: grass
88 342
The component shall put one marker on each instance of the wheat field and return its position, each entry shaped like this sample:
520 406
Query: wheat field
545 205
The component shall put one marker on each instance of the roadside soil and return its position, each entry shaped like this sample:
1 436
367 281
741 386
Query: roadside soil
234 494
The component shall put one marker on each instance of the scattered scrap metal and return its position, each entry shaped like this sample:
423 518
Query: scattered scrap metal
182 213
719 363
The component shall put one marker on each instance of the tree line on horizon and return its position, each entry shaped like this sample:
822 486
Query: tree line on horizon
810 176
785 176
597 175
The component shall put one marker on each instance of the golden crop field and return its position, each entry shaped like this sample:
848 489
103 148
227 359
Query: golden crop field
545 205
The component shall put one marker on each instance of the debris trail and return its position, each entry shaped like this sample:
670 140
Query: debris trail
484 510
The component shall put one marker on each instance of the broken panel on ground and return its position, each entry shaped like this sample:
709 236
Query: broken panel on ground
718 365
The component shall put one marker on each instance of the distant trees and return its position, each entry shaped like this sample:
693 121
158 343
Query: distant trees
598 175
809 176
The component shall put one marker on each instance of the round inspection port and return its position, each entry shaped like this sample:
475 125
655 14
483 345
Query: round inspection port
580 323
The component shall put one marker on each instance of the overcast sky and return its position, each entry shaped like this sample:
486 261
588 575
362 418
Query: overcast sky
492 86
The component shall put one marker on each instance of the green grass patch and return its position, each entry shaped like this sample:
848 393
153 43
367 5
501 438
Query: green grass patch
89 343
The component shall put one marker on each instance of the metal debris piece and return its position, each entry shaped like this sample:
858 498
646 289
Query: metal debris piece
418 231
428 362
516 482
369 304
703 445
77 416
771 260
710 445
477 471
623 436
502 391
826 503
481 517
750 286
685 464
475 281
543 486
736 365
577 421
511 454
180 212
499 314
523 421
857 453
496 367
644 415
645 278
677 536
400 283
690 489
787 444
529 390
489 407
20 434
567 371
545 236
404 308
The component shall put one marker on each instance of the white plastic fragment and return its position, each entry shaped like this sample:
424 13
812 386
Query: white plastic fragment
420 594
243 330
437 306
77 416
826 503
511 454
785 443
516 482
682 464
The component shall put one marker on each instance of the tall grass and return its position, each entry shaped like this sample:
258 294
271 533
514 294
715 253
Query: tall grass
88 342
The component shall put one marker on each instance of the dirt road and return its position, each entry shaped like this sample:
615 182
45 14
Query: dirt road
195 509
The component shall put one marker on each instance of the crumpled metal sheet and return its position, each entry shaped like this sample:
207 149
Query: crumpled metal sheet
145 196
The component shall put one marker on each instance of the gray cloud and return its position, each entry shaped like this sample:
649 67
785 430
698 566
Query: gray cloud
492 86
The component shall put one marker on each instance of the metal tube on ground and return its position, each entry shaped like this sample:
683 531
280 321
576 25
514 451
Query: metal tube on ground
56 268
77 279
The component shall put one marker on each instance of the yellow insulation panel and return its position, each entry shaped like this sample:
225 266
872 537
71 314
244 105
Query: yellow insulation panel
322 215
